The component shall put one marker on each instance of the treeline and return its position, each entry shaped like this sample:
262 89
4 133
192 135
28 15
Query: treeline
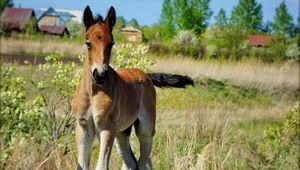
183 28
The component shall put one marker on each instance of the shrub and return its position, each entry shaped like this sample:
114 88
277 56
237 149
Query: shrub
186 43
130 55
228 39
279 148
293 52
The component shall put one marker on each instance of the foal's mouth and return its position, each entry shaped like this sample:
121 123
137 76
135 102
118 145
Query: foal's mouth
100 79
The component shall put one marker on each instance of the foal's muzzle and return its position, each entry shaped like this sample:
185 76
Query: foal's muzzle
100 78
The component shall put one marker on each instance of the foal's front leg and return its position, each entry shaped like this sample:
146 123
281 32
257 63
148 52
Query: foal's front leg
84 139
106 132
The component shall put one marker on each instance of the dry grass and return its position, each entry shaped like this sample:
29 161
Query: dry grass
19 46
244 73
197 128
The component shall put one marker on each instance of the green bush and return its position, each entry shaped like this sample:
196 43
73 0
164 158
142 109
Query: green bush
186 43
279 147
24 113
293 52
227 42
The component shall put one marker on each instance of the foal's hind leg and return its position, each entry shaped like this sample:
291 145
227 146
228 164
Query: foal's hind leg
123 147
145 131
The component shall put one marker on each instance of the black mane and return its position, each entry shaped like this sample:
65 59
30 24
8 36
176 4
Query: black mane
98 18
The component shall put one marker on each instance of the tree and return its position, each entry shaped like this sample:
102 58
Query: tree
200 15
121 22
133 22
266 27
75 28
167 20
247 14
192 14
5 3
221 19
282 20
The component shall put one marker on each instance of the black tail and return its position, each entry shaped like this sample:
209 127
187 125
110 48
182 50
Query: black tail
170 80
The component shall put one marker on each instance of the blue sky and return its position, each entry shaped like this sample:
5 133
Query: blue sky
148 12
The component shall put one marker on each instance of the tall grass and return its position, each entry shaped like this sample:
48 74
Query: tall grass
39 47
245 72
215 125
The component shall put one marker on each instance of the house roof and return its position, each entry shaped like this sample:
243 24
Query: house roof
64 15
260 40
16 17
131 29
57 30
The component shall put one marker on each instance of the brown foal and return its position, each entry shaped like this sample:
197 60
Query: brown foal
107 103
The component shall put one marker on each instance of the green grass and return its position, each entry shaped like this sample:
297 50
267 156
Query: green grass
213 125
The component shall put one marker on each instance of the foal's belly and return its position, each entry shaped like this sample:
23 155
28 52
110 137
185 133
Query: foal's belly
126 119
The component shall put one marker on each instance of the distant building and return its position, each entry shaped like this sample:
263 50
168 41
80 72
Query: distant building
132 34
52 17
54 30
57 17
15 20
260 40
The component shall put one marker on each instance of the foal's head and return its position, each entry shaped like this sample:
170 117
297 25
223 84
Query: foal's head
99 41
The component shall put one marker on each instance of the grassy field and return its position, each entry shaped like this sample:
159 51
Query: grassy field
220 123
39 47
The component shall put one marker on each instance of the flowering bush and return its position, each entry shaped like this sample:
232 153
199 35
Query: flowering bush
281 141
40 106
293 52
187 43
129 55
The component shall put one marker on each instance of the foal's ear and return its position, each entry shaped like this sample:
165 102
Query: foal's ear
88 18
111 17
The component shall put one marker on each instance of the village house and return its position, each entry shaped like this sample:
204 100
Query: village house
15 20
132 34
54 30
260 40
52 17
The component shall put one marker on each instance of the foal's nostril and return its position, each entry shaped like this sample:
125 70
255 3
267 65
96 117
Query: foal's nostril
96 75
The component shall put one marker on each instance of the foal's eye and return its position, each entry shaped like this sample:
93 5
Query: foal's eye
100 37
88 44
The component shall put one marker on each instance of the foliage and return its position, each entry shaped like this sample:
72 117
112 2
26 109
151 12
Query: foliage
31 27
152 33
75 28
186 42
226 42
221 19
280 143
282 20
18 118
185 15
266 27
5 3
247 15
192 14
121 22
52 97
133 22
167 21
132 56
38 107
293 52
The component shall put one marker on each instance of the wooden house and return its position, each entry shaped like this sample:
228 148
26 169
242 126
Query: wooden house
132 34
260 40
15 20
54 30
